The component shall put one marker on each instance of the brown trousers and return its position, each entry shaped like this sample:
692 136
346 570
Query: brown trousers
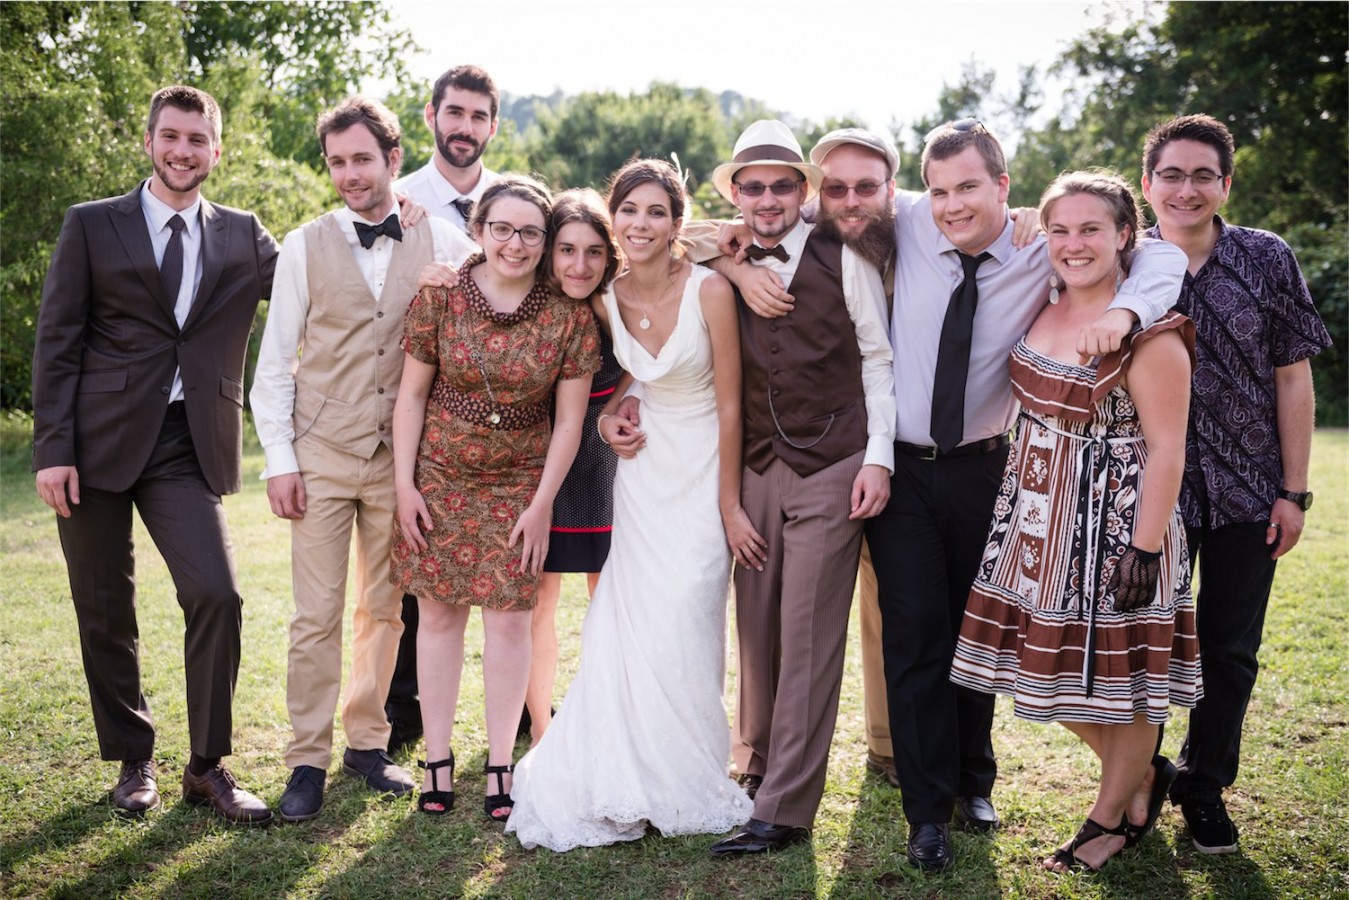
792 625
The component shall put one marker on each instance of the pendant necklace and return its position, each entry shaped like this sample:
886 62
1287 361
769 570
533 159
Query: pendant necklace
645 322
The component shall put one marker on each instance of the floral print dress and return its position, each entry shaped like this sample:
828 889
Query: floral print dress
482 451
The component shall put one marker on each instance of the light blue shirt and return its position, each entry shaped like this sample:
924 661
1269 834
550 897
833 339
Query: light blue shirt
1013 288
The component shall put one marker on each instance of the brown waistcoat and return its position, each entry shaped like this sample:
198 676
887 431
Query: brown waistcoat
808 364
347 378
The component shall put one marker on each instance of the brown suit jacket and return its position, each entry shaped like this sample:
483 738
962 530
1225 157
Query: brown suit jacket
108 343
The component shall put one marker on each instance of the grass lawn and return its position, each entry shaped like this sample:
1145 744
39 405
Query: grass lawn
59 836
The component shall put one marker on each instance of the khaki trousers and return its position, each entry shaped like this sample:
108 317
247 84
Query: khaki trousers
341 489
792 629
876 709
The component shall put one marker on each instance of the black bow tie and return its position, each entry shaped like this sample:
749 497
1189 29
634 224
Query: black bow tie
366 234
465 207
756 253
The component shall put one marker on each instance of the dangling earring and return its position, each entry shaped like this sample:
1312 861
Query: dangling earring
1053 287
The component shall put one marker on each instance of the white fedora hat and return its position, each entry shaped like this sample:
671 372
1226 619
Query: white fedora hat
766 142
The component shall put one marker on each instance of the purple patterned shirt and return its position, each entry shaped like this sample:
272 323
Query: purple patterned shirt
1252 313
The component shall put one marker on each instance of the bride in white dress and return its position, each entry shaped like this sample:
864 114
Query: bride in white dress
641 738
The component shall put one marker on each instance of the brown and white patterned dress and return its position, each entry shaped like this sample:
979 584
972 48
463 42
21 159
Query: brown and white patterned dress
479 462
1039 624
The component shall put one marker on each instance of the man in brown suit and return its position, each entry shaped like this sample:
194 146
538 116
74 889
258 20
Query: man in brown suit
137 401
818 440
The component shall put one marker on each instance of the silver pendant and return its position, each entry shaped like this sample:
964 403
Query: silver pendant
494 418
644 324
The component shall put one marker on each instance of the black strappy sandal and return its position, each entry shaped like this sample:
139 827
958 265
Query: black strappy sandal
444 799
1163 776
502 798
1090 831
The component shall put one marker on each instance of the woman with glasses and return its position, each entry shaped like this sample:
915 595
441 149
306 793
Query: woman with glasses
476 472
641 739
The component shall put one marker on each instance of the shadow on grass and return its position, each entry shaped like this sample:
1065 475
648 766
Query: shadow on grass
875 862
53 835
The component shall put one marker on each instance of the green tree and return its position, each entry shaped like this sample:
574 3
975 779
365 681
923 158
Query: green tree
588 137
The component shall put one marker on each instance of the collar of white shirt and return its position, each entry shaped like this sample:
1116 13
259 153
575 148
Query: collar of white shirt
793 242
160 212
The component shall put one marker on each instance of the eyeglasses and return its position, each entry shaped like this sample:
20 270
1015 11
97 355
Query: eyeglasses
1175 177
960 125
783 188
531 235
838 191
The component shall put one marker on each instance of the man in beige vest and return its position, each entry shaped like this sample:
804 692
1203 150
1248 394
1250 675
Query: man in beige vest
323 398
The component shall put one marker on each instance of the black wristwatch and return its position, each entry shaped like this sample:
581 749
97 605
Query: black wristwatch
1302 498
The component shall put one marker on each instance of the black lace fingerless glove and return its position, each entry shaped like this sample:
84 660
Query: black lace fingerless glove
1134 581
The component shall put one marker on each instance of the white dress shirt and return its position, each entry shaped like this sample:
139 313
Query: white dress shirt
157 215
865 298
273 394
430 188
1013 288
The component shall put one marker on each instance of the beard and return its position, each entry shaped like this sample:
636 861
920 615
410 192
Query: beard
875 242
460 159
180 182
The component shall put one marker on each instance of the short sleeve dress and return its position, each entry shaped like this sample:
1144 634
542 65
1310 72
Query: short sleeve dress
1040 624
583 514
482 452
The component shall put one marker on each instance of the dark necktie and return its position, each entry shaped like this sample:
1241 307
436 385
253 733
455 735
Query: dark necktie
953 358
465 207
756 253
366 234
171 266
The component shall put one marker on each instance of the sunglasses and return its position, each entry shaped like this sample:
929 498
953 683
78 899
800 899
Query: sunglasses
783 188
960 125
862 189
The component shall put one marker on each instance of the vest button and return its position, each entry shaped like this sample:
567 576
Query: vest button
380 314
777 392
773 327
773 349
381 426
164 389
381 390
774 371
381 351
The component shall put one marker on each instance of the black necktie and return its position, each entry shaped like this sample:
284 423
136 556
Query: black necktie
953 358
465 207
366 234
171 266
756 253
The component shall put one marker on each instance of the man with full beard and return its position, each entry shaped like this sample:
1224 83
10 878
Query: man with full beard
462 115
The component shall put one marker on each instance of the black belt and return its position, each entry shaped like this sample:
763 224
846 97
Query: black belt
987 445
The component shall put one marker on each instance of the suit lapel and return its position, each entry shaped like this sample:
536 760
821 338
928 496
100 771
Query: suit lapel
128 221
215 236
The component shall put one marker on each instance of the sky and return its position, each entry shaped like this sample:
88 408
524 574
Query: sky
877 61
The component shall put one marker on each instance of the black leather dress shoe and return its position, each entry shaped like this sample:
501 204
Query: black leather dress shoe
930 846
760 837
403 733
750 784
303 796
976 814
377 771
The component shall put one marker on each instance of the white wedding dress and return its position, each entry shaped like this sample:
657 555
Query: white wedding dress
641 737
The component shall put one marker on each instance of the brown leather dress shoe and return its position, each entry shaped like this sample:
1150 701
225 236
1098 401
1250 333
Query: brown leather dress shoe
883 766
137 790
758 836
218 790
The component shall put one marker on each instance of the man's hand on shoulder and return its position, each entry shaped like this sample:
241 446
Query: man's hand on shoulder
410 212
58 484
1106 333
286 495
